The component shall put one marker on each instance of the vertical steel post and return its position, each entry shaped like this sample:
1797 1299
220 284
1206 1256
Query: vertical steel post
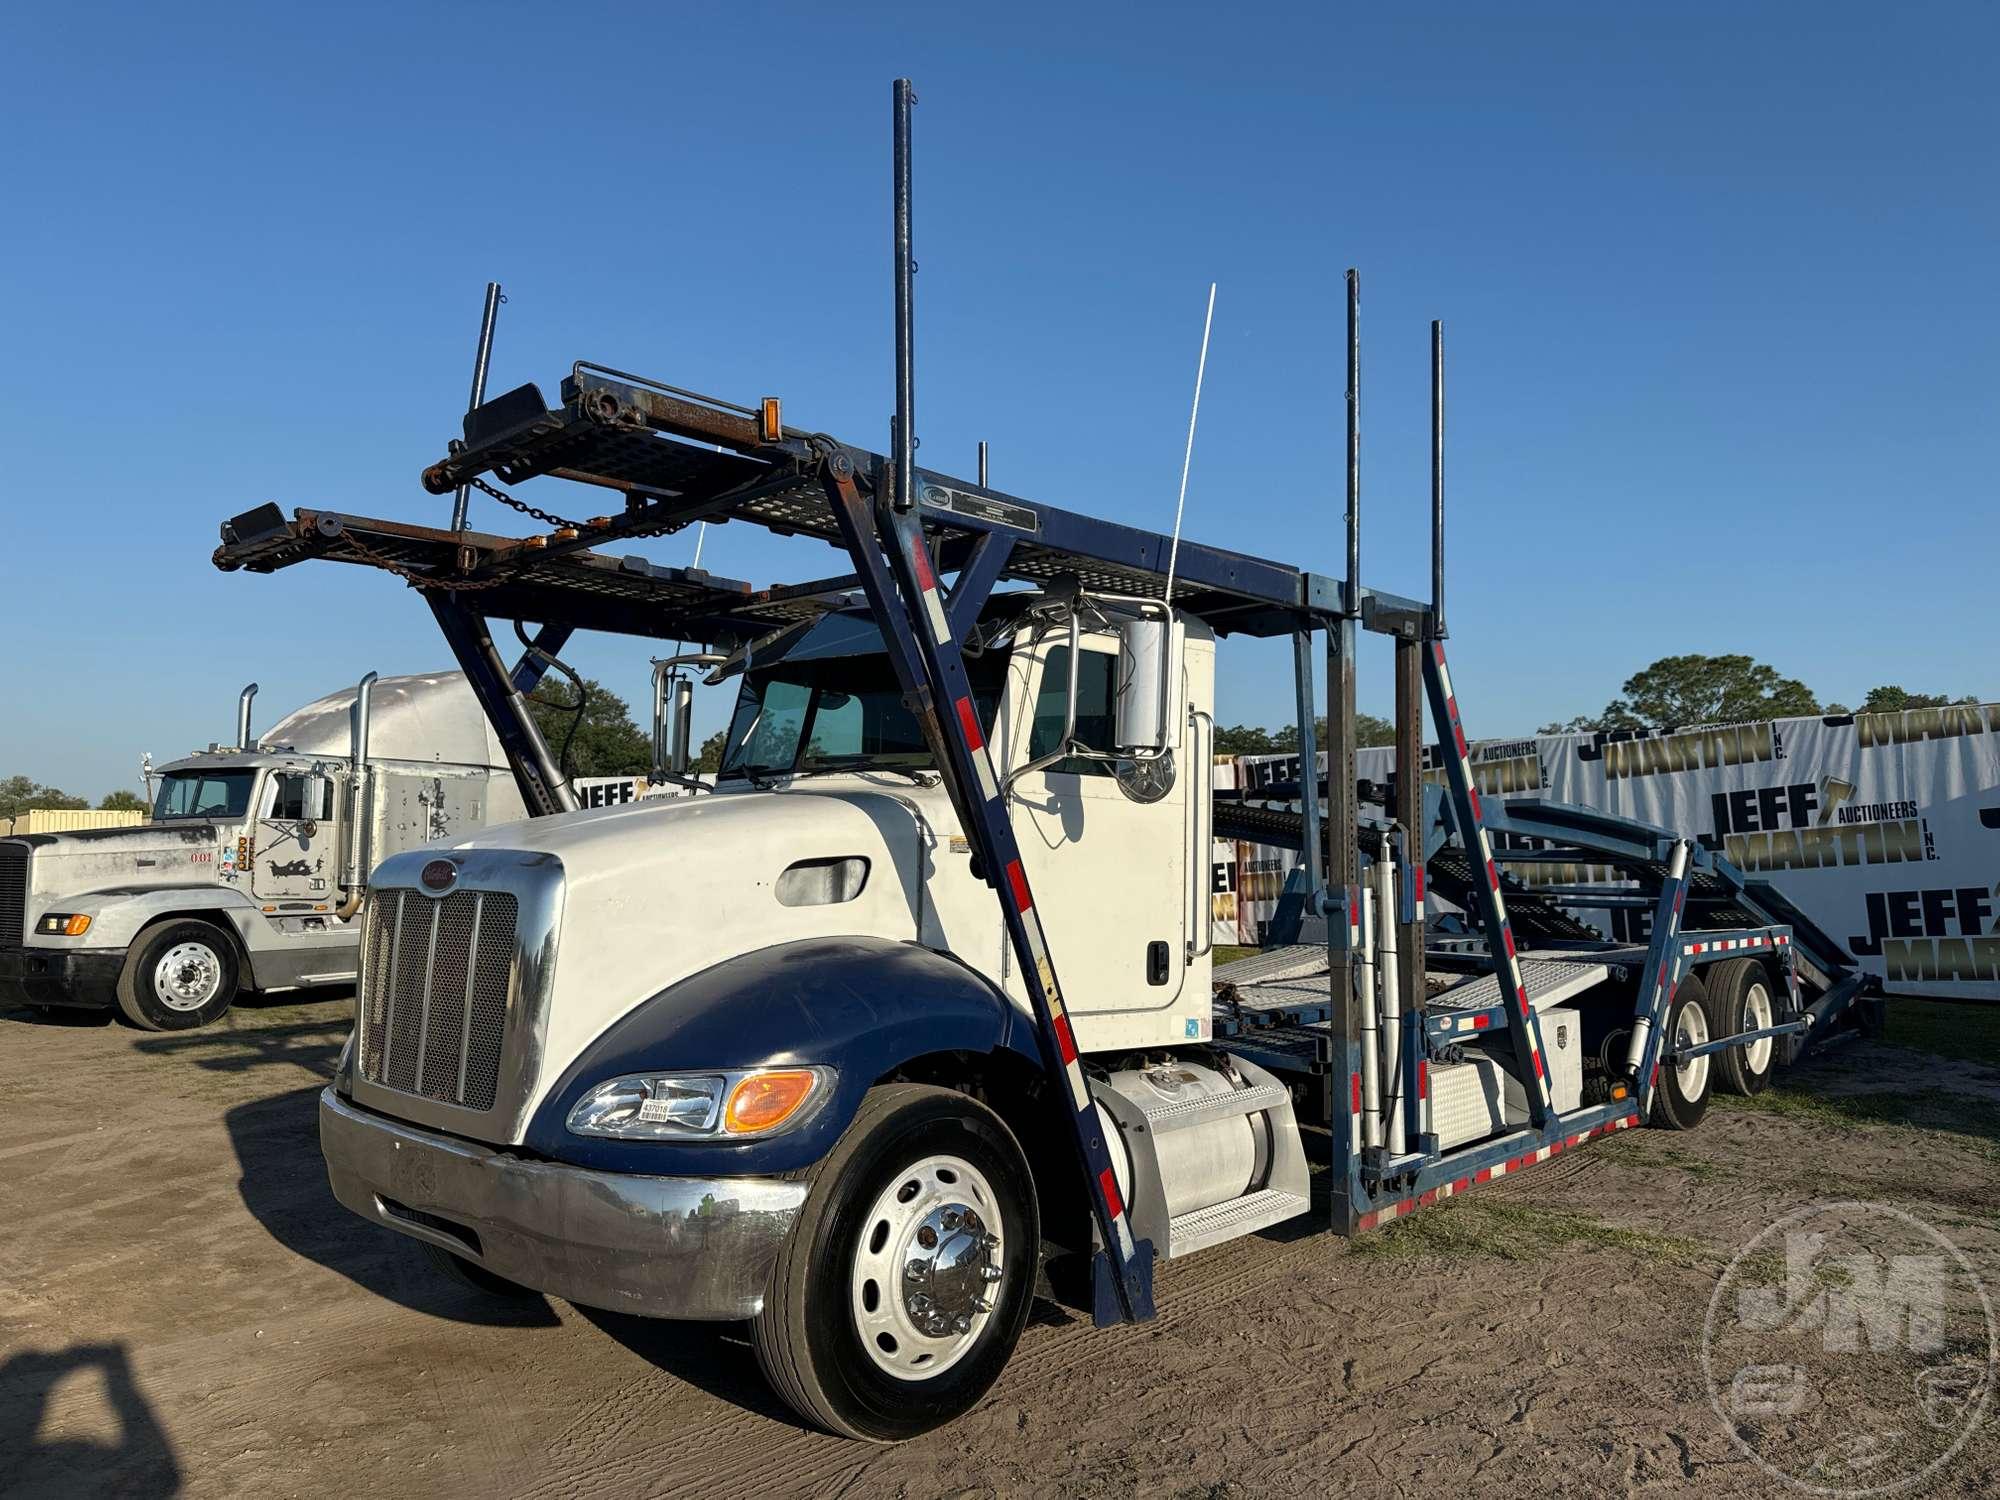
1409 814
1343 862
982 464
1437 480
1302 675
486 320
1353 599
905 447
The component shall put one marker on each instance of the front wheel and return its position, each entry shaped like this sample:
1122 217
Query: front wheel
177 976
903 1287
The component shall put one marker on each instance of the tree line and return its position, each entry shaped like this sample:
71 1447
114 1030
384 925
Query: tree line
1732 689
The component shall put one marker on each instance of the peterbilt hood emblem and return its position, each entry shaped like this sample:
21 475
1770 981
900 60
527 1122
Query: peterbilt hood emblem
439 875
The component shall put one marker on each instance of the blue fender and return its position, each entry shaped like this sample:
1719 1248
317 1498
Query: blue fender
860 1005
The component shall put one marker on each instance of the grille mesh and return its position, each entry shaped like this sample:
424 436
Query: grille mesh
13 892
434 988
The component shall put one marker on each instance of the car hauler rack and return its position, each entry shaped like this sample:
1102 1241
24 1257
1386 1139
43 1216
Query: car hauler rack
925 554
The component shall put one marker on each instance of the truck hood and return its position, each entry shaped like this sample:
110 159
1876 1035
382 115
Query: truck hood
108 859
657 890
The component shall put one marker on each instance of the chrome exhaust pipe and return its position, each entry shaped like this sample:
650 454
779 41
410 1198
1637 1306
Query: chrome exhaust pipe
358 801
243 701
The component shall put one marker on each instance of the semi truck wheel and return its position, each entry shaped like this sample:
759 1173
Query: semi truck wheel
1739 1000
177 976
1682 1097
903 1286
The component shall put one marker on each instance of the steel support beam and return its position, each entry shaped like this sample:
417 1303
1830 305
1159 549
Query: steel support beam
543 789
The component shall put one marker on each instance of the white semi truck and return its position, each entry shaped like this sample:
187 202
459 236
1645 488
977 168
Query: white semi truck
914 1014
255 862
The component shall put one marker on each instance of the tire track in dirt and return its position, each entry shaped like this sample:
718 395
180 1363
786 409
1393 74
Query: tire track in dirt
737 1444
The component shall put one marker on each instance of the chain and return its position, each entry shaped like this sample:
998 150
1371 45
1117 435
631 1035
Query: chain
665 528
471 585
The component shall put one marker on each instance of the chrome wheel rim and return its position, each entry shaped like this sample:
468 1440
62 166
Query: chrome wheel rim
1691 1030
1756 1017
927 1266
187 976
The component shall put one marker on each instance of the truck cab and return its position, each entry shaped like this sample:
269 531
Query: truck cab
617 1054
252 867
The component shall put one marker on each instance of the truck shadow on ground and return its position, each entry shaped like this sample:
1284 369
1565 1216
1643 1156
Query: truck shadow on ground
139 1463
713 1357
285 1188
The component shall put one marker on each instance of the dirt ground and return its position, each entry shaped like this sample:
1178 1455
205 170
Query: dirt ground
185 1310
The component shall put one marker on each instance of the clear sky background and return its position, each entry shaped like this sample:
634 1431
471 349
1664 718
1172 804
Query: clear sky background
1717 282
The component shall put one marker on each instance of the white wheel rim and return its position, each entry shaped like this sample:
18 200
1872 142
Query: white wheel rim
929 1260
187 976
1691 1030
1757 1017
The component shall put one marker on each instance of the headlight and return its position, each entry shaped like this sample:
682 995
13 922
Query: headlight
701 1106
62 924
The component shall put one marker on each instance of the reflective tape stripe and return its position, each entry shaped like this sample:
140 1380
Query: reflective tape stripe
1065 1040
1017 883
1108 1181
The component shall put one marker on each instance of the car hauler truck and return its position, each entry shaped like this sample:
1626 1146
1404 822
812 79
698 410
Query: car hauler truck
255 863
918 1002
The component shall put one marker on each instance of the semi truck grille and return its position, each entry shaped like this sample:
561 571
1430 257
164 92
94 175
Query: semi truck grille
434 983
13 892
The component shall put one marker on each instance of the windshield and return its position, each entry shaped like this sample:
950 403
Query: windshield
204 794
845 713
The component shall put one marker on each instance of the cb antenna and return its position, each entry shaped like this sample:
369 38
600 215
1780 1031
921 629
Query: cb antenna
1187 458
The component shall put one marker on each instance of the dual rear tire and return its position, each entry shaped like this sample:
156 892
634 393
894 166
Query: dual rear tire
1741 999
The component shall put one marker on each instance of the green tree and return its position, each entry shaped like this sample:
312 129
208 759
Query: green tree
1696 689
19 794
1243 739
709 761
604 742
122 801
1889 699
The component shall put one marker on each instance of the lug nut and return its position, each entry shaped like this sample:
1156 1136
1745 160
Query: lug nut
961 1324
927 1237
990 1273
950 1218
914 1271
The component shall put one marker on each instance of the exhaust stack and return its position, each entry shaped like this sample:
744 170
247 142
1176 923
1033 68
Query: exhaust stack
358 801
243 702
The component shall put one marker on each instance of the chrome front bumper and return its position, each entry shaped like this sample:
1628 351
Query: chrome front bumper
667 1247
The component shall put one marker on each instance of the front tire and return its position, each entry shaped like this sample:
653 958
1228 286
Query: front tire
177 976
902 1289
1684 1091
469 1273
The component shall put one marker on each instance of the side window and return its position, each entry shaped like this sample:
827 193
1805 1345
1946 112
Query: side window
1095 678
288 799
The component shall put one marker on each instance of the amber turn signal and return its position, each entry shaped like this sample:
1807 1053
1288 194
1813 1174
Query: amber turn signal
765 1100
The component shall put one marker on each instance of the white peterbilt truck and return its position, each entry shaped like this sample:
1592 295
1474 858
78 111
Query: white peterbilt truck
254 864
913 1013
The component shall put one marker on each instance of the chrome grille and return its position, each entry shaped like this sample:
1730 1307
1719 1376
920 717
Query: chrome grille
435 976
13 892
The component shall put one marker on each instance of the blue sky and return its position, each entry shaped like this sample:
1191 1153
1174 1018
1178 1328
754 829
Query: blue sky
1716 282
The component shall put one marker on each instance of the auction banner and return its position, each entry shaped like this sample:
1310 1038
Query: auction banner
1884 829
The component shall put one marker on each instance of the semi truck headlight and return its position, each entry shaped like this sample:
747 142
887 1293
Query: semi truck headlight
701 1106
63 924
